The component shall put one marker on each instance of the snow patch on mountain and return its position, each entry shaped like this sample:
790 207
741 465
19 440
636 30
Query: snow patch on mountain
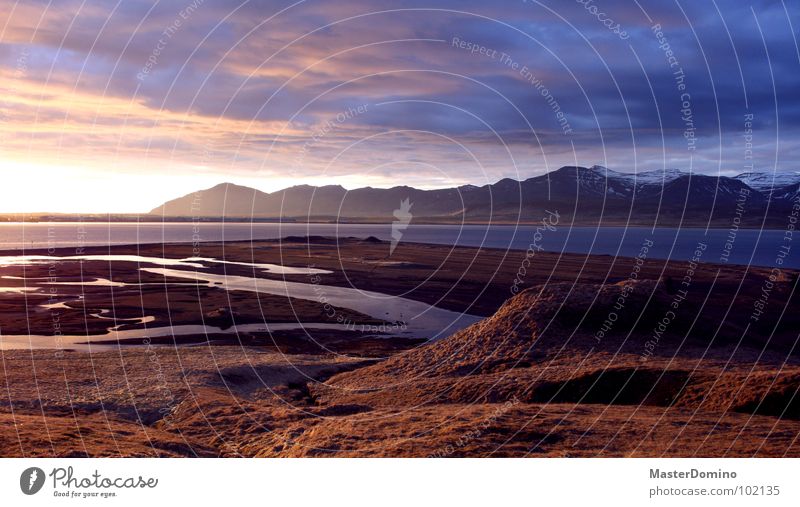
766 181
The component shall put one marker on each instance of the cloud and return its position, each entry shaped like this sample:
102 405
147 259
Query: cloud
236 89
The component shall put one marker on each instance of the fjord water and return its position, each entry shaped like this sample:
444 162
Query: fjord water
748 246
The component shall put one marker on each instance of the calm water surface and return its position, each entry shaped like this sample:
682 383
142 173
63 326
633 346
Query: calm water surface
750 246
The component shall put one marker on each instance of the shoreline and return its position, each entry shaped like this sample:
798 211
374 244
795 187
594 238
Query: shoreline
59 251
421 221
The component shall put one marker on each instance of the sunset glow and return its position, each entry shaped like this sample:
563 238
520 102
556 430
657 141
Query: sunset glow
160 101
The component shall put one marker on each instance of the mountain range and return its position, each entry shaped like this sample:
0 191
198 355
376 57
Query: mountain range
593 194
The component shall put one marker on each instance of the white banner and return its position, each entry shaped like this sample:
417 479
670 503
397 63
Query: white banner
373 482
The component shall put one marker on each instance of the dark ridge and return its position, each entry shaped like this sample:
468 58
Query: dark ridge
371 239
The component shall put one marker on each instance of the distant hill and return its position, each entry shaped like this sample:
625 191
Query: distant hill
578 193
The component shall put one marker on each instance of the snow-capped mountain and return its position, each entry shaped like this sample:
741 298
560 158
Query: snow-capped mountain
656 177
602 181
637 183
586 192
670 187
766 181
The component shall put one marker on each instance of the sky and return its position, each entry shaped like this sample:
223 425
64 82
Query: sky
117 106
